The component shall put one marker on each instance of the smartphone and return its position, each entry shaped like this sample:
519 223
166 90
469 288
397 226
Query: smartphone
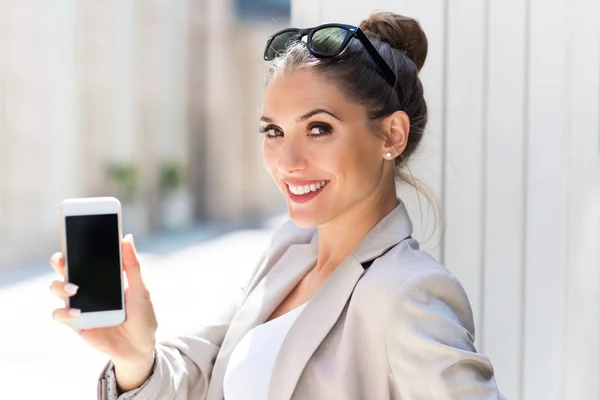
91 233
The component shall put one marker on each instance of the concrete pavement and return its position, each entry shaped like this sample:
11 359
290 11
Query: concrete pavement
41 359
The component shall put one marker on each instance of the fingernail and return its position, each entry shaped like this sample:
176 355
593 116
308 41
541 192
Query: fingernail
70 288
74 312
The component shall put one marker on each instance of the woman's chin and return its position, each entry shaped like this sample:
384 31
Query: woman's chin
305 220
304 223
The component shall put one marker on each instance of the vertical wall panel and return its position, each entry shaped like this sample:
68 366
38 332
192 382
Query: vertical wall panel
126 102
546 214
582 335
306 13
221 85
4 141
501 335
338 10
518 86
63 155
464 147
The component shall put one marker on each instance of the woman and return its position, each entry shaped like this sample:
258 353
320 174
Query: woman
344 304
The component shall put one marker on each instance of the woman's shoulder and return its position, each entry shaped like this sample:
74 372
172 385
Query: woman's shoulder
402 263
406 269
410 283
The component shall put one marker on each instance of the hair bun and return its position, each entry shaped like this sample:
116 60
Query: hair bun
400 32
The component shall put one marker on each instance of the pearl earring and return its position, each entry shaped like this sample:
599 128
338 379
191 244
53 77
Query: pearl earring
388 155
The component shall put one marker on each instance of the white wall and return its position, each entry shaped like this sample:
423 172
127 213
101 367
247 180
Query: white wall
87 84
84 84
233 90
513 154
39 110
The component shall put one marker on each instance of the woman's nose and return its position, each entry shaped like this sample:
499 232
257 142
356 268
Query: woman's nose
291 157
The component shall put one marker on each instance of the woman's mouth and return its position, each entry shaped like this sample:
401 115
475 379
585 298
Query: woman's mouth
307 192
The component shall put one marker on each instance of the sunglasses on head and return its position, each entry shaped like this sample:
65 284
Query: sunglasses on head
328 40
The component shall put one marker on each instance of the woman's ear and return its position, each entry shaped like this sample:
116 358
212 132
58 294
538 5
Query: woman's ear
396 127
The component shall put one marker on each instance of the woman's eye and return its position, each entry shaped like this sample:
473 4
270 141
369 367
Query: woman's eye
320 130
271 132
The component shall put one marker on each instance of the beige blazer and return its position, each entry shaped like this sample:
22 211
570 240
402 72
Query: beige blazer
400 329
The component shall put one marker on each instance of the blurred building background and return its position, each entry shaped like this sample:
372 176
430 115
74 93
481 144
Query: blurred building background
157 102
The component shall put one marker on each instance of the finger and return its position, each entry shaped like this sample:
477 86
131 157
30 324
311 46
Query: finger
65 315
63 290
131 264
58 263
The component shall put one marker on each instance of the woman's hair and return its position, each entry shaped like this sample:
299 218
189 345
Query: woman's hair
403 45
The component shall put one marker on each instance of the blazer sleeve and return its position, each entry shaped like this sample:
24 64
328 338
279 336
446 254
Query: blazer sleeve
429 339
183 365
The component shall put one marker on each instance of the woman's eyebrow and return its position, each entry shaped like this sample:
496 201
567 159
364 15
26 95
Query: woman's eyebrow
304 117
315 112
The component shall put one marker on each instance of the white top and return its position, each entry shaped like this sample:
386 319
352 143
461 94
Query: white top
249 370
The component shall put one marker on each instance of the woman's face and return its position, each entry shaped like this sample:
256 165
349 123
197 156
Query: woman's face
318 148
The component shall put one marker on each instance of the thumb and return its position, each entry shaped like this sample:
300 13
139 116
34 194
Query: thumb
131 264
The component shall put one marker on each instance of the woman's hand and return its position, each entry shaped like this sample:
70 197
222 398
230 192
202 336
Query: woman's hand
130 345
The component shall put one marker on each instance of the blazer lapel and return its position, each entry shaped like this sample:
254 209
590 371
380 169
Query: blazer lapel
267 294
325 307
312 326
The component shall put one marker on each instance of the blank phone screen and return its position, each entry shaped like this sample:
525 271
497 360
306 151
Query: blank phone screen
93 261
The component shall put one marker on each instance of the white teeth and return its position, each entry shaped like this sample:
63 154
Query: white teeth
300 190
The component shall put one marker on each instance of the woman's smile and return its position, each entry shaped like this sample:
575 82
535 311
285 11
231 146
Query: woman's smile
304 191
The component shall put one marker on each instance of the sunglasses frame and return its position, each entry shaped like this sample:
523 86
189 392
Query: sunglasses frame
353 32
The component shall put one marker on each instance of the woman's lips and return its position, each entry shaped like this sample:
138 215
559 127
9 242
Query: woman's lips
306 197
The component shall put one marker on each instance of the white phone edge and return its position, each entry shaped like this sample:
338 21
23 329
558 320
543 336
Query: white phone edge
93 206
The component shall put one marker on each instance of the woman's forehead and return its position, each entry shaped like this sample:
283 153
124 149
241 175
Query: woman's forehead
302 91
303 83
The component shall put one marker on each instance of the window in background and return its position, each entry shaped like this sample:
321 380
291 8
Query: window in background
278 10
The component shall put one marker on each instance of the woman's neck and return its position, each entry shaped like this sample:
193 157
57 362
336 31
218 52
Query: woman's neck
340 236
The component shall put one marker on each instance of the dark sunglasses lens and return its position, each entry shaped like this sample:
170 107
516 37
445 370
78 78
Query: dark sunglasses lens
328 41
279 44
